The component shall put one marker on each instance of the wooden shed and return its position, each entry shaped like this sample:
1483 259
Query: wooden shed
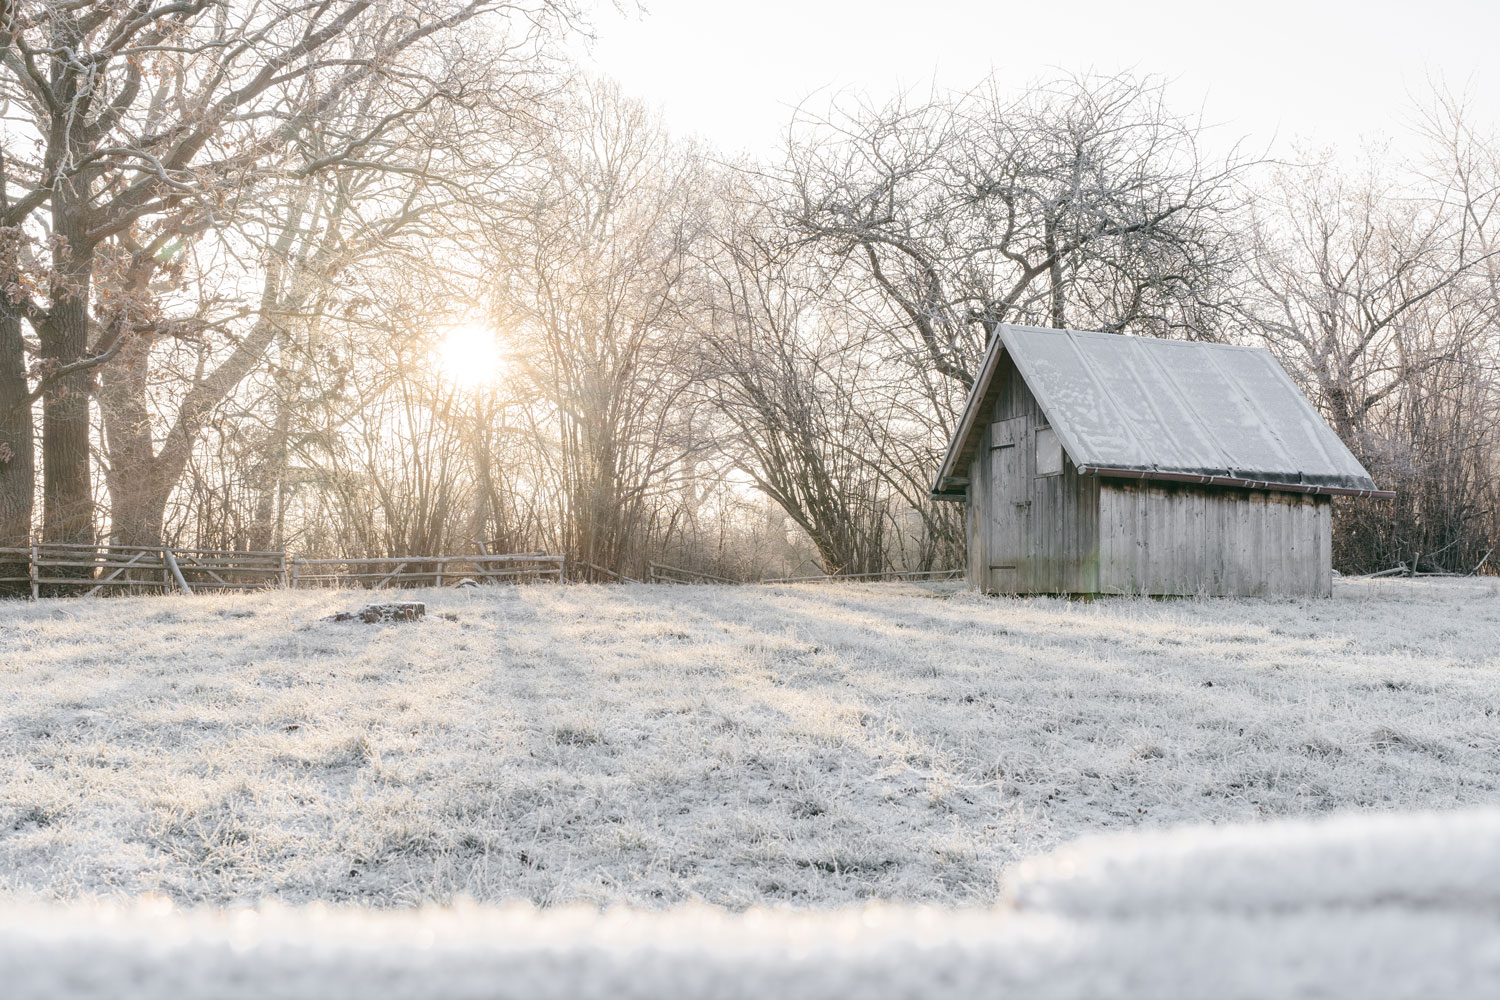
1097 463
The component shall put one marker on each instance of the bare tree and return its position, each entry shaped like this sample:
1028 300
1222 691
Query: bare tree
1374 291
432 150
592 295
153 120
236 232
818 415
1084 202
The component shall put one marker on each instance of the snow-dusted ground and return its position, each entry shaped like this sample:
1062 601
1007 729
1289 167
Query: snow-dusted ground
1373 907
804 745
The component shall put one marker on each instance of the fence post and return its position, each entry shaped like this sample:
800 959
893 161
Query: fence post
35 573
295 561
170 559
438 572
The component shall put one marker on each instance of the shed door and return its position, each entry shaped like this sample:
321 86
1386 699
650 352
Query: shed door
1010 496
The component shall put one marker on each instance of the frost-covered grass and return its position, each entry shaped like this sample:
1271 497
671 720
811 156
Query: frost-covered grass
809 745
1395 906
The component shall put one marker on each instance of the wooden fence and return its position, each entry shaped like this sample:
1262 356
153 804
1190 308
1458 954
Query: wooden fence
425 571
662 573
57 569
15 570
48 569
221 569
582 571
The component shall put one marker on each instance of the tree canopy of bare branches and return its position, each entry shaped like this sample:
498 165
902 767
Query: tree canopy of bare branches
137 129
237 237
1085 202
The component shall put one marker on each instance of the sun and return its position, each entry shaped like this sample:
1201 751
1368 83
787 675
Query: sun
470 357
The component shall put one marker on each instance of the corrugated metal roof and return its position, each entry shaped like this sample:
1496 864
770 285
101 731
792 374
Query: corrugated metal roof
1167 409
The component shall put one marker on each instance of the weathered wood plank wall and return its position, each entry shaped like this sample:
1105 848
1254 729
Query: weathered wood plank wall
1165 539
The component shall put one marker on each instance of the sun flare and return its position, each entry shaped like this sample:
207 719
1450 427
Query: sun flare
469 356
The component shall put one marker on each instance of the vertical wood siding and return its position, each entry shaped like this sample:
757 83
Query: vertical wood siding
1165 539
977 517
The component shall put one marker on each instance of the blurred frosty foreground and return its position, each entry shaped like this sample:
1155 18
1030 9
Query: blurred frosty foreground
1361 906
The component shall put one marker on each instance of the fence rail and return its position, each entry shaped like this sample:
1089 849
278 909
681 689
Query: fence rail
56 569
62 568
930 574
15 568
587 572
206 570
434 571
662 573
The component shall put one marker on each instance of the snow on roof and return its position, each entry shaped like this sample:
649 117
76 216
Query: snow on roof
1147 408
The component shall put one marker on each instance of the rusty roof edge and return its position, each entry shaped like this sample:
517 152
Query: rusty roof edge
1249 484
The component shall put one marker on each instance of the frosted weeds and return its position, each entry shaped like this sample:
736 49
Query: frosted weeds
809 745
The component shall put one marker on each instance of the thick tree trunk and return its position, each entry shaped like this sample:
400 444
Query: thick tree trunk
17 460
17 447
137 501
270 503
67 488
142 524
138 495
143 475
1057 298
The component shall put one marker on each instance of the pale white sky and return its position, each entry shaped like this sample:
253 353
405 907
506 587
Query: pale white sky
1333 71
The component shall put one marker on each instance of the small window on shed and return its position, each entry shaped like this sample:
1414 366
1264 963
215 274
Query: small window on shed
1049 453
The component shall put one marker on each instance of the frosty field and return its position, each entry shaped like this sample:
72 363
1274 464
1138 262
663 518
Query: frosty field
802 745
